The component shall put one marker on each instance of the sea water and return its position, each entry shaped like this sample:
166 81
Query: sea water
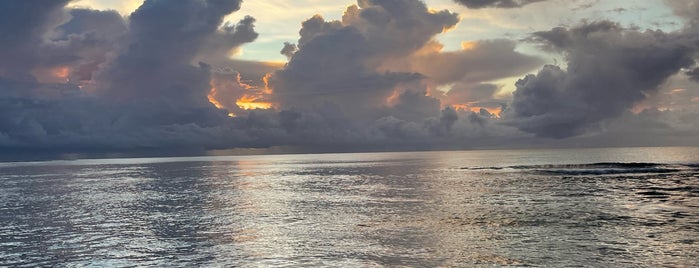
615 207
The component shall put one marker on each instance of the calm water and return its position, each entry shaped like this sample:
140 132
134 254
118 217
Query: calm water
592 207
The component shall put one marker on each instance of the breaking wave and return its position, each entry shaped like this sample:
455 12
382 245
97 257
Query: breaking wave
597 168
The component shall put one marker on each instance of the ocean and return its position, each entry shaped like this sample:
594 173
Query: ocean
611 207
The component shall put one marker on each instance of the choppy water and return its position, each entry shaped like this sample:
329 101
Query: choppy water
592 207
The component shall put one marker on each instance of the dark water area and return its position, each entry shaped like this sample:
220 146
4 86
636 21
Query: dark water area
621 207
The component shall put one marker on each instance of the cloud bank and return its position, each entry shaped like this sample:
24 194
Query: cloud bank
75 80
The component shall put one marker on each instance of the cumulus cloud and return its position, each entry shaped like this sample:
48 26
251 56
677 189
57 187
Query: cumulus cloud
23 35
337 61
609 69
80 80
164 39
79 47
467 71
496 3
382 48
288 50
369 80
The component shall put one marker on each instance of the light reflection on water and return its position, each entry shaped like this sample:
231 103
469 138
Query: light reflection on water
428 209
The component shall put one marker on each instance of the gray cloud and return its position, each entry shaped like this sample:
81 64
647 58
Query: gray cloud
414 106
694 74
496 3
288 50
337 61
472 94
385 48
89 82
23 32
687 9
81 45
609 69
164 39
480 61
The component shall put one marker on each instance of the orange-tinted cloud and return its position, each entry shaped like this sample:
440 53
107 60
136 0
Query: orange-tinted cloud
477 109
229 92
57 74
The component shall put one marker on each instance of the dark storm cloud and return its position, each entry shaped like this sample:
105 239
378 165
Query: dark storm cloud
361 81
609 69
106 25
651 127
415 106
314 26
164 39
337 61
496 3
694 74
23 24
358 82
81 44
86 80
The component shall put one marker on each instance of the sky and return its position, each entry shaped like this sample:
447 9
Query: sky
118 78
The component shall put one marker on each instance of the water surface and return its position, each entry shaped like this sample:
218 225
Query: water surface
588 207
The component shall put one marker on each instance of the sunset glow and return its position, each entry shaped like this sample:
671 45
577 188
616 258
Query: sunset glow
62 72
468 45
477 109
213 100
393 98
250 103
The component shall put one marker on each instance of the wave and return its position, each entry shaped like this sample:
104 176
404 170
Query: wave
606 168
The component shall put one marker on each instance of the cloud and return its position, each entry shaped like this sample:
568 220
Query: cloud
337 61
496 3
164 39
478 61
288 50
229 38
609 69
694 74
469 71
383 48
23 32
651 127
364 81
81 45
91 81
414 106
687 9
162 79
